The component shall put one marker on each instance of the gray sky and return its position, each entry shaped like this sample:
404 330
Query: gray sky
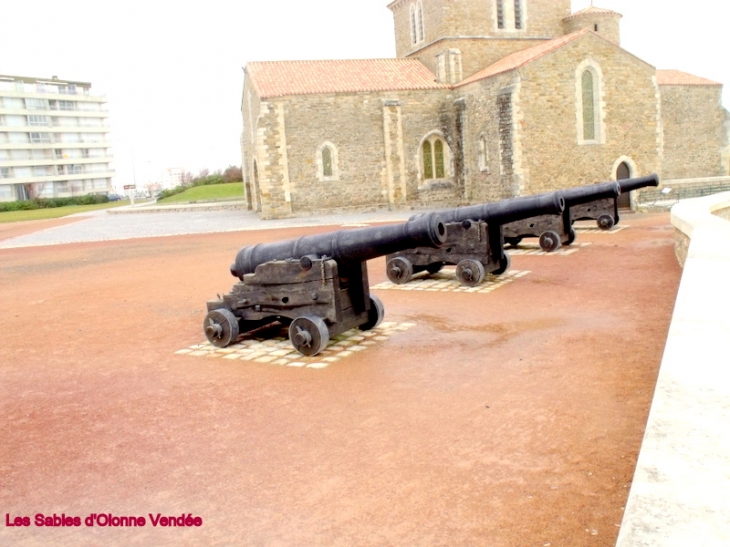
172 70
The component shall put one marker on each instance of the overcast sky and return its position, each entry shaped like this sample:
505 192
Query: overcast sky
172 70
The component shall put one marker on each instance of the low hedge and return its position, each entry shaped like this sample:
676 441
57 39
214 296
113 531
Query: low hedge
48 203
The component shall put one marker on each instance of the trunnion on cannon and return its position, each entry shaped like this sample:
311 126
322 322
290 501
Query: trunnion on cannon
316 285
475 242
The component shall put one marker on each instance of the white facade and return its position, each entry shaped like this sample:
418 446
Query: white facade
54 139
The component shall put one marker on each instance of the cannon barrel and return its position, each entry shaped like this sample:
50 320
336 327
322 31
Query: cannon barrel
355 245
508 210
591 192
634 184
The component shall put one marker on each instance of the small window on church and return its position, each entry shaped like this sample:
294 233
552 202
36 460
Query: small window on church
416 23
518 14
500 14
434 157
427 161
327 161
589 112
414 35
483 154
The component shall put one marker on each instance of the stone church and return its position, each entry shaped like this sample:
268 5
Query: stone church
487 99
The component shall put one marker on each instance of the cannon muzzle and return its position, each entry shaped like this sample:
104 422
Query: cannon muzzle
634 184
508 210
355 245
591 192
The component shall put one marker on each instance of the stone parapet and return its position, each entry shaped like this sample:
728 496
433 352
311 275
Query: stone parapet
679 492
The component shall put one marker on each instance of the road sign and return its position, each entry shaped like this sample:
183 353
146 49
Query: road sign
130 186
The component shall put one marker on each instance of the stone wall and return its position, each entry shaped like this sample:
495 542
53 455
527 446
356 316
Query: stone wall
376 138
692 119
545 150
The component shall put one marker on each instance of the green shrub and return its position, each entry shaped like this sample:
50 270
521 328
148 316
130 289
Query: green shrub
48 203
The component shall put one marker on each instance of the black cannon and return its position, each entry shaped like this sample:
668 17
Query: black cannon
317 285
605 211
554 230
474 240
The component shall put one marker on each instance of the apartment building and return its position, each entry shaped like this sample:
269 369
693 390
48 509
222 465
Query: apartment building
54 139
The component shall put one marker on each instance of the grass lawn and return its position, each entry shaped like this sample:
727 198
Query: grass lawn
56 212
208 192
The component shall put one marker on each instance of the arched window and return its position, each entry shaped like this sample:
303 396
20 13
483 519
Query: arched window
589 111
414 34
435 158
483 154
416 22
589 115
327 168
327 161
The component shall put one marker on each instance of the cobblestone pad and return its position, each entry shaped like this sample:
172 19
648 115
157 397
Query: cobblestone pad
534 249
279 351
596 230
445 281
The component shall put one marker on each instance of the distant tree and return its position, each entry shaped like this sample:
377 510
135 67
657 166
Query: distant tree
34 189
232 173
186 178
203 174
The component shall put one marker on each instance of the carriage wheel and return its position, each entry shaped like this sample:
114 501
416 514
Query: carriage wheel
605 222
308 334
549 241
504 263
399 270
221 327
470 272
375 315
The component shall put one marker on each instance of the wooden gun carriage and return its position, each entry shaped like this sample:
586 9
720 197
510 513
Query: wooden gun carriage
554 230
605 211
317 285
474 240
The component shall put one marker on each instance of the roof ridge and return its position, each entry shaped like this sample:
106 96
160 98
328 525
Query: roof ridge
524 56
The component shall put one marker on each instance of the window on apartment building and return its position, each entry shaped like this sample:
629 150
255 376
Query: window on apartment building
36 104
417 22
40 137
5 173
66 105
434 157
327 167
39 120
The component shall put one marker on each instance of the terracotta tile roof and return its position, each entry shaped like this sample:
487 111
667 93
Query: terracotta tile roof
592 10
676 77
282 78
521 58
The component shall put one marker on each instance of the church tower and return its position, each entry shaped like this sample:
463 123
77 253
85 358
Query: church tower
604 22
456 38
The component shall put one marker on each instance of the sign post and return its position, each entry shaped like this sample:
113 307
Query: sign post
132 187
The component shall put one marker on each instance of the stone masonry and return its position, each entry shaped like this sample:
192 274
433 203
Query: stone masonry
504 106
